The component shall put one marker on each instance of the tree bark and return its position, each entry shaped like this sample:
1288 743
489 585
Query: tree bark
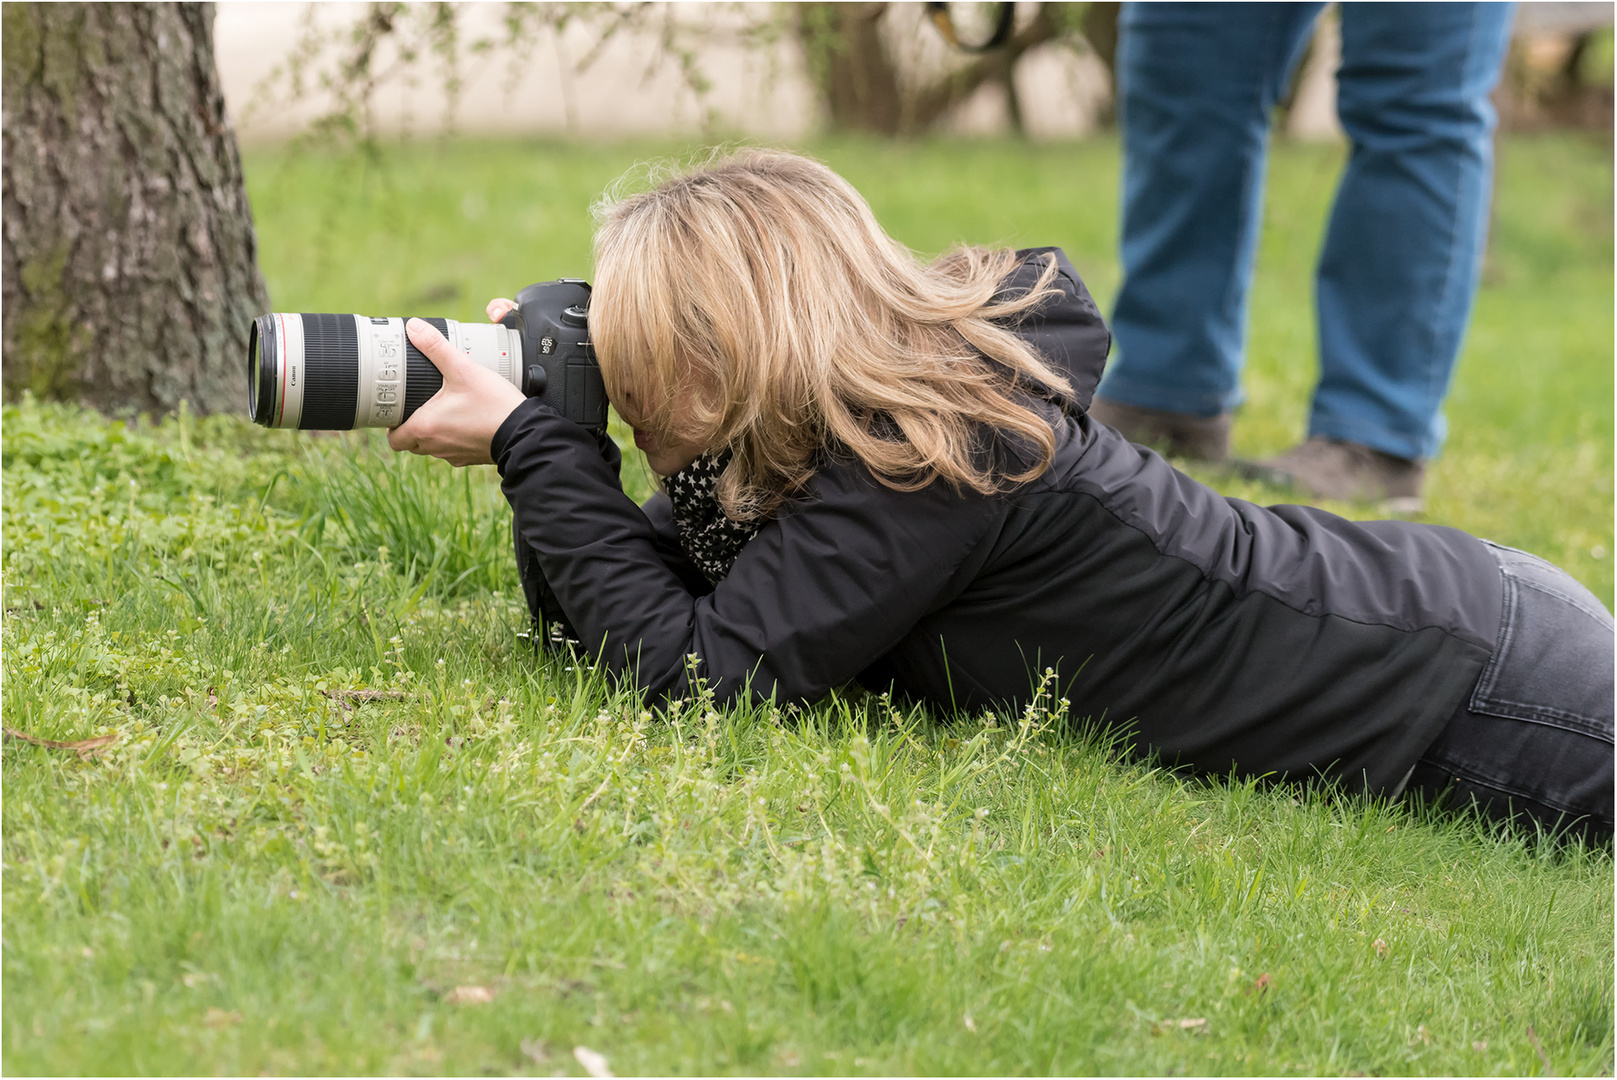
130 265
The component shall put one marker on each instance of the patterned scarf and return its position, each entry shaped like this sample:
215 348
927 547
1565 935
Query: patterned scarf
708 536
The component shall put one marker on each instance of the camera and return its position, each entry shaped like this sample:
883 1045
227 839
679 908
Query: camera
338 372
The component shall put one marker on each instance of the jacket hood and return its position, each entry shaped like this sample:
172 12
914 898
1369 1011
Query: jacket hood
1067 330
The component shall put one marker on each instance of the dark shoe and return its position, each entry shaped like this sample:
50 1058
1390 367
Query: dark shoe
1332 469
1204 438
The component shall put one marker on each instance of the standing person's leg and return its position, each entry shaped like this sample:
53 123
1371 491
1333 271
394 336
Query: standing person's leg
1406 237
1196 83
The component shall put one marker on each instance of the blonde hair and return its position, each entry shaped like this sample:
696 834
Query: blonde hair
756 303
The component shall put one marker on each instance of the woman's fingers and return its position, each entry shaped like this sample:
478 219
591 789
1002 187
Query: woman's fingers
498 309
400 440
434 346
459 421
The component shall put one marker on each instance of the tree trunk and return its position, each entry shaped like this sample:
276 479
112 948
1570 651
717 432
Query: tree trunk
130 272
1099 25
849 63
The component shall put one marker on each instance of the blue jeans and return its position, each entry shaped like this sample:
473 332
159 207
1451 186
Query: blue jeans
1534 740
1395 282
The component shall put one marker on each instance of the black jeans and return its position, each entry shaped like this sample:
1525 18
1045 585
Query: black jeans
1534 741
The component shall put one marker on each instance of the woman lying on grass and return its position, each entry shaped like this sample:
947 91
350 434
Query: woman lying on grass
882 470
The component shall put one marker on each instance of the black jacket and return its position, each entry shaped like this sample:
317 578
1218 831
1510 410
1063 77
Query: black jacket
1227 636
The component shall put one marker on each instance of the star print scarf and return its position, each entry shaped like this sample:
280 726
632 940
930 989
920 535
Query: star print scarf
709 537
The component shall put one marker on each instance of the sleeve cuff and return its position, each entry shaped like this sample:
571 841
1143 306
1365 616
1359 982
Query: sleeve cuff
508 430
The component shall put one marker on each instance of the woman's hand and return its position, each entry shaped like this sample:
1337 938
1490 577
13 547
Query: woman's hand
459 421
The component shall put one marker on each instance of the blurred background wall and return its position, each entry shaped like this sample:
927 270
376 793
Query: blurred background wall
564 79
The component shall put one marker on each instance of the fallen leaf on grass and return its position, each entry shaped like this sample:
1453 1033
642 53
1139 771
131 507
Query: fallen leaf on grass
536 1050
971 1025
1260 985
594 1064
219 1018
469 995
1382 948
1196 1025
86 748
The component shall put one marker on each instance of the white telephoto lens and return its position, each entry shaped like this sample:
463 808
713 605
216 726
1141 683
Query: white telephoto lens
335 372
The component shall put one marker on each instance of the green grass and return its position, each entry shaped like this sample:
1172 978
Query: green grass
269 874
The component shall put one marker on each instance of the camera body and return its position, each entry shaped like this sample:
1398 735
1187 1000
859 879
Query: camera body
337 372
558 361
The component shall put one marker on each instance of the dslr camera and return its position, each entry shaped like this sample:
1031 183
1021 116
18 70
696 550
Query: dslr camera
338 372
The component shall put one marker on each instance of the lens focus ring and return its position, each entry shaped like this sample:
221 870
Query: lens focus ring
422 379
331 366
